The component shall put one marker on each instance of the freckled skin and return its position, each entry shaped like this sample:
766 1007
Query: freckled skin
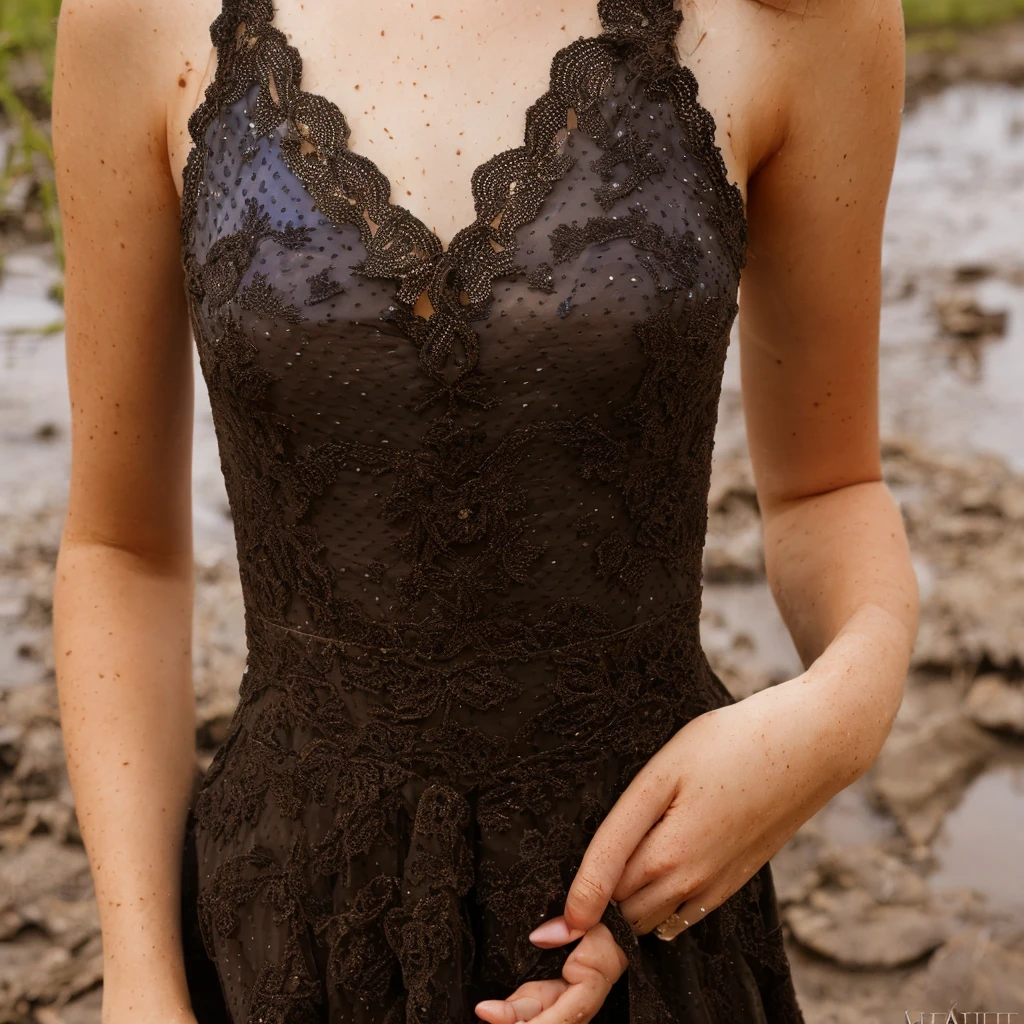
807 98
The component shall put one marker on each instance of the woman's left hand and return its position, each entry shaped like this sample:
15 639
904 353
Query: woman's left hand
696 822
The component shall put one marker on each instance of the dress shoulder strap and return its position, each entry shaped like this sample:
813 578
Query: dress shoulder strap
249 49
236 16
653 21
647 31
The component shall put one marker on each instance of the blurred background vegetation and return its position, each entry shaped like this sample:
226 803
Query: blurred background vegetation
27 32
28 202
963 13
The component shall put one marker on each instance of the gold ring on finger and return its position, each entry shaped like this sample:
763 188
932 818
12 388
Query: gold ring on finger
671 927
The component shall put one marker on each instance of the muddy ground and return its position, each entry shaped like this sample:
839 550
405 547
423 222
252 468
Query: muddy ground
906 894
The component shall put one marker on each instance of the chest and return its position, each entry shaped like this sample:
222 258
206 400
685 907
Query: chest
601 260
430 94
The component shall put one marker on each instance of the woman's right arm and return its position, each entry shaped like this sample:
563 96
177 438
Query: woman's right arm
123 594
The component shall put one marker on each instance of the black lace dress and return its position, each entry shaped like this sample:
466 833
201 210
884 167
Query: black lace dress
470 545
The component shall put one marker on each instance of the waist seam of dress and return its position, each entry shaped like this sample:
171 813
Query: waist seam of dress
676 608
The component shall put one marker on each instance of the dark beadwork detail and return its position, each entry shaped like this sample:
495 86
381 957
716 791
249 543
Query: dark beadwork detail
322 287
266 301
542 278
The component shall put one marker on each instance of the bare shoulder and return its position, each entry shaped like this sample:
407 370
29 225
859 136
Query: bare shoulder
848 41
116 34
127 73
122 45
839 71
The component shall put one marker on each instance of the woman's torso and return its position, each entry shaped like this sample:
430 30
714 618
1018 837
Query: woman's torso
454 441
470 532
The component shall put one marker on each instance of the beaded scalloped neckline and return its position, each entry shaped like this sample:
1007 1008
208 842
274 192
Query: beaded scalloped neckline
433 250
442 249
474 225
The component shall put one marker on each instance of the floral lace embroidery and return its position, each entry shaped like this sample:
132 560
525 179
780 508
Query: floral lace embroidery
417 763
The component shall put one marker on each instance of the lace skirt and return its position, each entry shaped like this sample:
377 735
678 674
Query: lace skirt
341 865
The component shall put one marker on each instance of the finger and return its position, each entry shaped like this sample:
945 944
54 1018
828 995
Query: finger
688 914
597 954
662 851
523 1004
554 932
706 898
653 903
502 1011
631 817
590 970
520 1006
578 1004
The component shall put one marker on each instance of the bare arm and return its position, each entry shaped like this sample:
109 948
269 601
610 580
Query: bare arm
733 785
123 596
835 548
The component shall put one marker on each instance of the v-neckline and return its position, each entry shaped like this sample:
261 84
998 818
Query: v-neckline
442 250
439 253
621 31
